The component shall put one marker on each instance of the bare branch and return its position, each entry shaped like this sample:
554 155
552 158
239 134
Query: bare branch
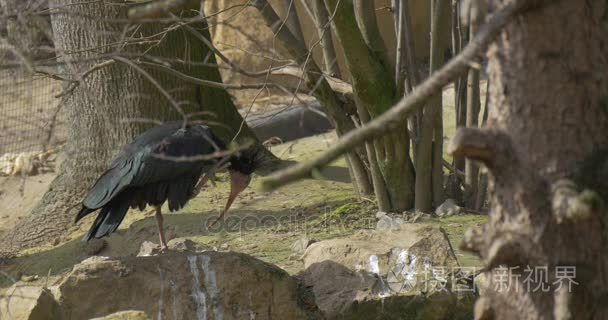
392 118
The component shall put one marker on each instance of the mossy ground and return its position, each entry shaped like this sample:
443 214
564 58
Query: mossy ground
261 224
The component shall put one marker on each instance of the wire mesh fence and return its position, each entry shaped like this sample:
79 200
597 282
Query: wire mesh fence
30 117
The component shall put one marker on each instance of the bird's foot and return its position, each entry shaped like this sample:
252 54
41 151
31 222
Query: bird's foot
216 220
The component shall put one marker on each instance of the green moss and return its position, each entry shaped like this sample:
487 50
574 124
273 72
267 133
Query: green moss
455 227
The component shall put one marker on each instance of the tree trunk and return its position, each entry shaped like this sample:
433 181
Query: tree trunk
545 148
374 89
471 173
99 109
429 185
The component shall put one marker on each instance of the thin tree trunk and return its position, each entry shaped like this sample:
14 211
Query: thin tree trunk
292 20
483 176
374 89
471 176
324 30
427 173
461 90
357 170
545 149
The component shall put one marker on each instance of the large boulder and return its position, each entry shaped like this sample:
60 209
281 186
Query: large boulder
179 285
22 302
405 273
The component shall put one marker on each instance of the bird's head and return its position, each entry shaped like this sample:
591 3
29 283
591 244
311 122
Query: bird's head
242 165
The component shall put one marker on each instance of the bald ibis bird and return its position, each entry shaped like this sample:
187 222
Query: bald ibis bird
162 164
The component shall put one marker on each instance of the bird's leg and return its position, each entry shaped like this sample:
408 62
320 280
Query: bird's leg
161 231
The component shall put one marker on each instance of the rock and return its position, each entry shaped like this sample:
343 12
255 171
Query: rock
187 245
224 246
32 278
182 285
447 208
380 214
415 217
125 315
404 272
149 248
21 302
387 223
95 246
301 244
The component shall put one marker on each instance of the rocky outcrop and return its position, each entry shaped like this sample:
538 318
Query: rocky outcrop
22 302
406 273
177 285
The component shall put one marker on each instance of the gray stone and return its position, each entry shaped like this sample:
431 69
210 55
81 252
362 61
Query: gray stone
301 244
387 223
126 315
380 214
22 302
448 208
182 285
393 270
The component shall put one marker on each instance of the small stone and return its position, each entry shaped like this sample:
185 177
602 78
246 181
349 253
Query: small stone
386 223
224 246
125 315
95 246
250 246
148 248
301 244
416 216
181 245
447 208
25 278
380 214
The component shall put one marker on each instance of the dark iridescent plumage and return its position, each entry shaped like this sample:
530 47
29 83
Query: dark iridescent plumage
147 173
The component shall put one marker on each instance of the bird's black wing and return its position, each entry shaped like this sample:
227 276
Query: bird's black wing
160 154
182 153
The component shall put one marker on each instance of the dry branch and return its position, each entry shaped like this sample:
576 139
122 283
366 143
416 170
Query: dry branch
391 119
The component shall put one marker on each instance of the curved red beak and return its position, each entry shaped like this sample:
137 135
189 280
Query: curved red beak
238 183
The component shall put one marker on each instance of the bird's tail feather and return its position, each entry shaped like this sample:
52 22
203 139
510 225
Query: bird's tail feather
108 219
83 213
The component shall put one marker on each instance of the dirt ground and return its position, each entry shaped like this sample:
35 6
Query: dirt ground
19 195
261 224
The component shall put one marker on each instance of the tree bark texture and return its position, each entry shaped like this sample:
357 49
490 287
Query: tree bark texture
545 148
